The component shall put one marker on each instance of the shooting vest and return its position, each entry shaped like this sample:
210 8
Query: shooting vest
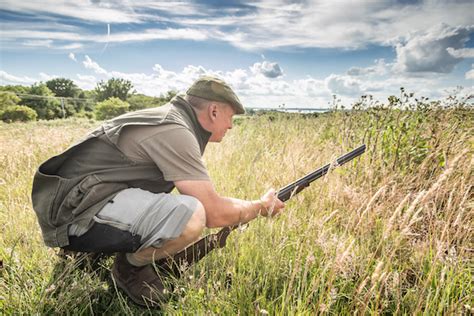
60 201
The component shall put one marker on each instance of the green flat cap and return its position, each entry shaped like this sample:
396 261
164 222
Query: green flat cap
215 89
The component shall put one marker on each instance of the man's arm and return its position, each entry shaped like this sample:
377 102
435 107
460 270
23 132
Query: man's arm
225 211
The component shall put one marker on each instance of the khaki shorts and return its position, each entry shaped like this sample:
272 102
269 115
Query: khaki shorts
153 217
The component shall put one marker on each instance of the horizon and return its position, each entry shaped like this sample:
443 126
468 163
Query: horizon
272 53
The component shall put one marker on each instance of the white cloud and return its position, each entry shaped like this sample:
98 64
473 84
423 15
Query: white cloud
340 24
343 85
72 57
90 64
7 78
461 53
153 34
51 44
379 69
38 43
70 46
46 37
45 77
470 73
251 87
256 90
105 12
427 51
268 69
86 81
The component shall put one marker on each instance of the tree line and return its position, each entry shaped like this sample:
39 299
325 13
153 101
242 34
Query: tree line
62 98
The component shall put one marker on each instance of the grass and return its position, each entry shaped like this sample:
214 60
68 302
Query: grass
390 233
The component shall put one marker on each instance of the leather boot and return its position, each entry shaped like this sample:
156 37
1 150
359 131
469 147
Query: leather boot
142 284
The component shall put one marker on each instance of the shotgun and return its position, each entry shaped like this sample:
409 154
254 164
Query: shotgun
179 262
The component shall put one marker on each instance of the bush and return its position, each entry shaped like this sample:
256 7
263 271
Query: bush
110 108
85 114
8 99
18 113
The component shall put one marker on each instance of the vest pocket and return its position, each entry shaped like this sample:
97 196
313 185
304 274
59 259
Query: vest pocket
74 198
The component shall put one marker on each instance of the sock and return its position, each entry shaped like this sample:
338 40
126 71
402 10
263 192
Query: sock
134 261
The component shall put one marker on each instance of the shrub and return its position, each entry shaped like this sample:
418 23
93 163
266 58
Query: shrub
110 108
18 113
85 114
8 99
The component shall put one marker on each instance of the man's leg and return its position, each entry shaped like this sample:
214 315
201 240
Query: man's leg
166 224
154 226
191 233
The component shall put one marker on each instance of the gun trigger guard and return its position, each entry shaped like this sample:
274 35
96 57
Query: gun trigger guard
243 227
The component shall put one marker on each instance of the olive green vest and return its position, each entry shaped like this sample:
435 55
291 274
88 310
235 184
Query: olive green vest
60 200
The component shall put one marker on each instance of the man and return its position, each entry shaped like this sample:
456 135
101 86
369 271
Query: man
111 192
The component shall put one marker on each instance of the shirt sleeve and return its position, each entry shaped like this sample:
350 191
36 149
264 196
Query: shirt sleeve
176 152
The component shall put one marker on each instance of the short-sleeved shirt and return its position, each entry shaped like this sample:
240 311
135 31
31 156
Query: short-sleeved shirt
173 148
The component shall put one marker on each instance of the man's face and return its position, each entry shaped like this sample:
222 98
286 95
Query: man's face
223 122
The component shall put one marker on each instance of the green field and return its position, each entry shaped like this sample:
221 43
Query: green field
390 233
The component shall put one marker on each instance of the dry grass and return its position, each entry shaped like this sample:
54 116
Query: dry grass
389 233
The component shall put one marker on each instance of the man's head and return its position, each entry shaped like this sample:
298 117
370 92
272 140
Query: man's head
215 104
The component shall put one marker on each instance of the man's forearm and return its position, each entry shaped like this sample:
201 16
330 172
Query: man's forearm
231 211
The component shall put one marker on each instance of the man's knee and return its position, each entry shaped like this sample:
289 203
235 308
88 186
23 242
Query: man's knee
197 222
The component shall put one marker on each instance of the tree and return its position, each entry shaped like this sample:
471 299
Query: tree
62 87
42 100
8 99
110 108
141 101
115 87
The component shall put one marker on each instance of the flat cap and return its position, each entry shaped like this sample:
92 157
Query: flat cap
215 89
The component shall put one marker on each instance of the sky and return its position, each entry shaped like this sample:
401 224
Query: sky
272 52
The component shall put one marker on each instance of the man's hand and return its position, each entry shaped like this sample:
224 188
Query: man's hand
225 211
271 205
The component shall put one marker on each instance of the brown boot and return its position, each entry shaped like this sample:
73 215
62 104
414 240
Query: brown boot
141 284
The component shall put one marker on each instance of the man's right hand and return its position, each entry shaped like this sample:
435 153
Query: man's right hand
271 205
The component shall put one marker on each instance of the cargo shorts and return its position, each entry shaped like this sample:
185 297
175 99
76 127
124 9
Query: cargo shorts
133 220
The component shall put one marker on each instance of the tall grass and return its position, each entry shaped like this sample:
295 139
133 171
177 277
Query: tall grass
390 233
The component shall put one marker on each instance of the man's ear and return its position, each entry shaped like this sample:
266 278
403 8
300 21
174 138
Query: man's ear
212 111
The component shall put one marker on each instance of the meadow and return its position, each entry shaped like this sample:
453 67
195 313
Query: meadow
389 233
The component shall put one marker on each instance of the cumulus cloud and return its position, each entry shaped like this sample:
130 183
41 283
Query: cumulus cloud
429 51
268 69
343 85
253 88
90 64
379 69
257 90
72 57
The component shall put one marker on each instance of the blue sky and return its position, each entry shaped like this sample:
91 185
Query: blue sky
273 52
